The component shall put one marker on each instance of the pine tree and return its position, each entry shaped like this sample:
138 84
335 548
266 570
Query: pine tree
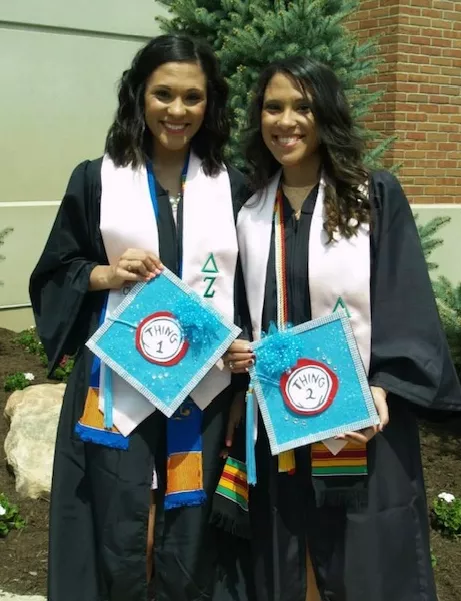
247 35
428 241
3 234
448 299
447 295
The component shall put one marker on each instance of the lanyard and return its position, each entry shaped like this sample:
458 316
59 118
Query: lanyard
153 191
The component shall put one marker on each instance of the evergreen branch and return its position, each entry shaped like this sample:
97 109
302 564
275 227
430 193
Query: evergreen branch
427 233
448 298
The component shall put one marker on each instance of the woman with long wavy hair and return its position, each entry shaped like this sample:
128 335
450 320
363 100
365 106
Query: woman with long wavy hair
161 196
322 232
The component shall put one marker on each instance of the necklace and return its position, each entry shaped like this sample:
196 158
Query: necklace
296 196
175 200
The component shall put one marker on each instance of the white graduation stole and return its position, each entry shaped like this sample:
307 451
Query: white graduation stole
208 264
339 272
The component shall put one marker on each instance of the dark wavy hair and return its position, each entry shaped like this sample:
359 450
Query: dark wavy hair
341 145
129 141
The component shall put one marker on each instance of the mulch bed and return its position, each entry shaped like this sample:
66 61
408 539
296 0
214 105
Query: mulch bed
23 554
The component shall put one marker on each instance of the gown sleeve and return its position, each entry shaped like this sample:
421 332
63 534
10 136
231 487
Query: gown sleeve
410 356
58 288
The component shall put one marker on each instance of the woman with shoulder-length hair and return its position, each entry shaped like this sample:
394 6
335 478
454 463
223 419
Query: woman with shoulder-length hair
320 232
160 196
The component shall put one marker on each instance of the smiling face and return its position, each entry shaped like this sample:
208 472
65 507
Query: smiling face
287 124
175 102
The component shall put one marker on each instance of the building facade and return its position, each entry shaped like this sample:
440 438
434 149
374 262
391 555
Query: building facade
420 44
59 67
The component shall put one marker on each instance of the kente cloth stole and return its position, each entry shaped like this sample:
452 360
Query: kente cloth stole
352 459
91 426
208 266
339 276
184 457
231 499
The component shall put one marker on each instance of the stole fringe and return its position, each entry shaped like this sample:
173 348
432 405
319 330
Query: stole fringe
192 498
104 438
90 426
230 525
353 500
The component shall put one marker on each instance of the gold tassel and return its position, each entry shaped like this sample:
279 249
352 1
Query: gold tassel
287 461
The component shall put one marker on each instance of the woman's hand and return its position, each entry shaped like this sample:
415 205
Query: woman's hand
235 417
363 436
239 356
134 265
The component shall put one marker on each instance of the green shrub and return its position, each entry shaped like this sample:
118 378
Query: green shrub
9 517
446 515
18 381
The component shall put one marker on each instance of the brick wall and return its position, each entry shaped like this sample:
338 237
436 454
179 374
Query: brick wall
420 42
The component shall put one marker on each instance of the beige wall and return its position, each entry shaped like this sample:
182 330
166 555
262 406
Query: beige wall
59 95
58 86
135 18
22 247
59 67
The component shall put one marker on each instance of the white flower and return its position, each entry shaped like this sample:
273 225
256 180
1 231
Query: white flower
336 236
353 222
31 327
2 510
29 376
446 496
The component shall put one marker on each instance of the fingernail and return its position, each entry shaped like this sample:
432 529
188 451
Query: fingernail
252 362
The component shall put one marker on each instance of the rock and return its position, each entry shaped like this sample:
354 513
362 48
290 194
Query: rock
13 401
29 444
11 597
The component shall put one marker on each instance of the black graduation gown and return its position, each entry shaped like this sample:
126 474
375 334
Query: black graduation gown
381 552
100 496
